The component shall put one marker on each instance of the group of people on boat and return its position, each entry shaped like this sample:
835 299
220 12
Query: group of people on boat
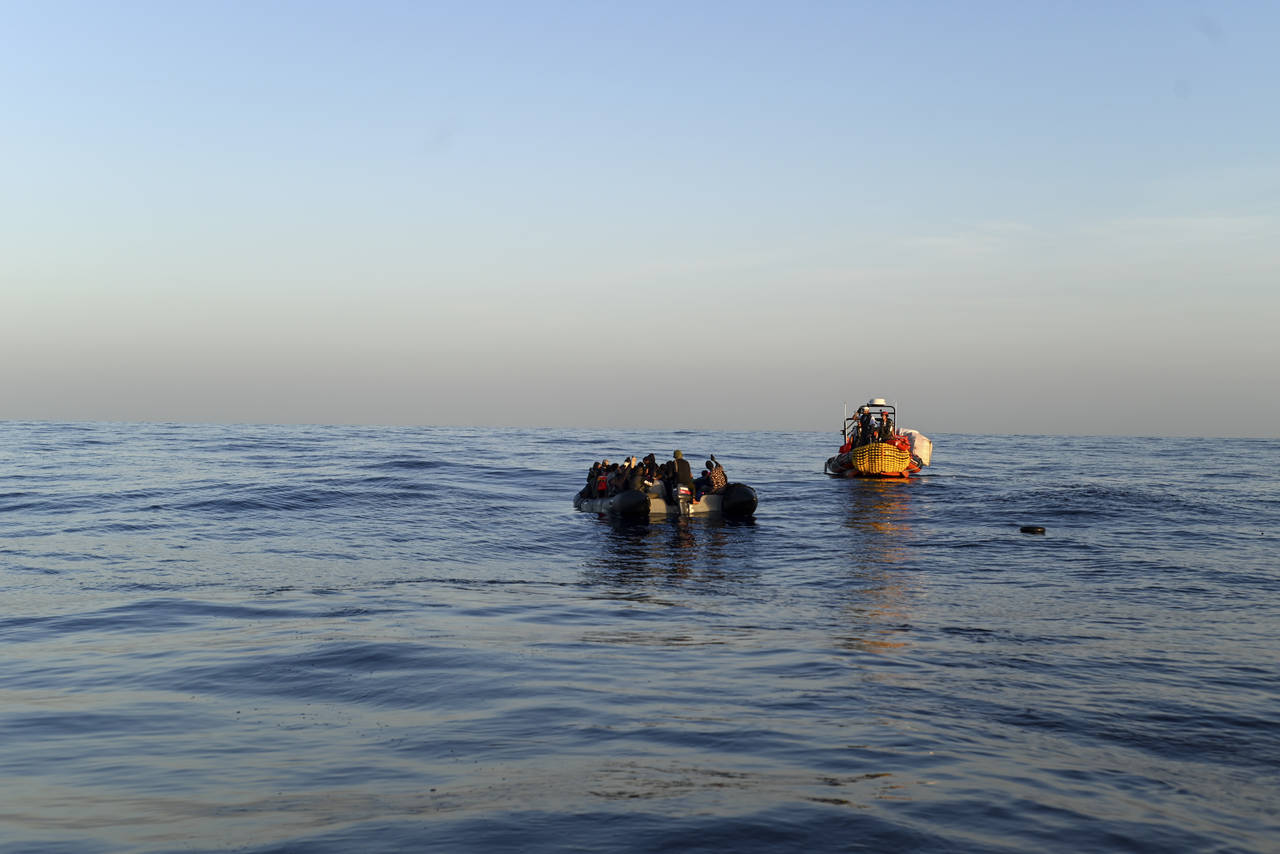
606 479
868 428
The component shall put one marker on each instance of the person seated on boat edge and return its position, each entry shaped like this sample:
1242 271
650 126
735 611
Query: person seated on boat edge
719 480
625 475
622 476
606 479
702 483
710 480
650 466
617 473
602 480
611 480
597 480
589 491
667 477
635 476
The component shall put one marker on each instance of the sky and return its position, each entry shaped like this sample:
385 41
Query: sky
1008 217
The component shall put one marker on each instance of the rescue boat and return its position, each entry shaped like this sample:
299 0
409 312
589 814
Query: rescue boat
734 501
873 446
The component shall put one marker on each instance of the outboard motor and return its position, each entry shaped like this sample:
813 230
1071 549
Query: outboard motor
683 497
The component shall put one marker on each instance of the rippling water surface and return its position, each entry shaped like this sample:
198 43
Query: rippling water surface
334 639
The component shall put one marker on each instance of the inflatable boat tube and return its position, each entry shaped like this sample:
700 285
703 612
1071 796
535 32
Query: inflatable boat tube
628 503
737 501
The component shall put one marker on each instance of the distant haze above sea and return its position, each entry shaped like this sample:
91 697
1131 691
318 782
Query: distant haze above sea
1007 217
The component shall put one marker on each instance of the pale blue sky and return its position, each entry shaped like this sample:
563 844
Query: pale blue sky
1003 215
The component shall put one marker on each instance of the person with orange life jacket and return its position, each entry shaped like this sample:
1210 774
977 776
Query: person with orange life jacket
602 479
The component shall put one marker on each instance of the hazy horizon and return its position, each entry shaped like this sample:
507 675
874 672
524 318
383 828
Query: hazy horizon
835 431
1034 219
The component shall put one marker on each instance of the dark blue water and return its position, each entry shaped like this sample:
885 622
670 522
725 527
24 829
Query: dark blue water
337 639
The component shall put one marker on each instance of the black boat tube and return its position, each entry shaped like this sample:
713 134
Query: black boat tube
737 501
631 502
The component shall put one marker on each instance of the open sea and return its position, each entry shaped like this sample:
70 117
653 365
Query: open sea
350 639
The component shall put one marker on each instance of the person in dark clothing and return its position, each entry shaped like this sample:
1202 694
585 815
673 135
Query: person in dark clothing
650 464
702 483
667 477
683 476
635 478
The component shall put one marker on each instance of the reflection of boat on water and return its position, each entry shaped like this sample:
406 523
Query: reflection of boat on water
708 548
879 518
879 590
873 446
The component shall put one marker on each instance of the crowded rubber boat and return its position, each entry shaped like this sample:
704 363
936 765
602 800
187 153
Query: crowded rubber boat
644 488
873 446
